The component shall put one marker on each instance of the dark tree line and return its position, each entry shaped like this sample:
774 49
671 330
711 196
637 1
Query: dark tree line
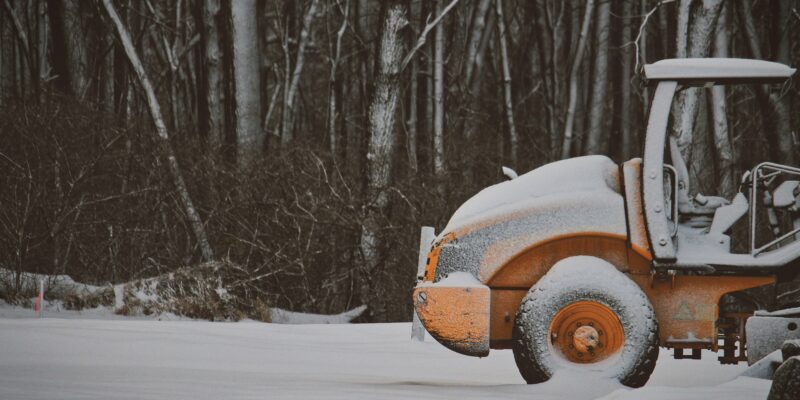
307 141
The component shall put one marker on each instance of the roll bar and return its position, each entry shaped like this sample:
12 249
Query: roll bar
659 231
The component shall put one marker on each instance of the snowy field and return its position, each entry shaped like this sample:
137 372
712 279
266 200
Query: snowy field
88 355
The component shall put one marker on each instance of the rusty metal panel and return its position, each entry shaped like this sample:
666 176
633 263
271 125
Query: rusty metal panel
505 303
457 317
637 230
687 307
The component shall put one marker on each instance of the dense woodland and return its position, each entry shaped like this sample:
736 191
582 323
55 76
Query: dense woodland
306 141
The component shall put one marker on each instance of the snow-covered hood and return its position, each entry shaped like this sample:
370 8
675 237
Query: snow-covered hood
584 174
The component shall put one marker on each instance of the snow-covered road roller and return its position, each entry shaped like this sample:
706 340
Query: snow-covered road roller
583 263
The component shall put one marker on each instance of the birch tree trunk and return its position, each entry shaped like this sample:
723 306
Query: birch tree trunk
162 135
211 110
696 22
294 83
476 33
429 105
247 78
725 156
413 102
69 47
477 62
626 108
597 139
27 62
6 62
682 29
42 40
382 128
333 111
549 31
507 95
779 117
438 96
642 60
569 123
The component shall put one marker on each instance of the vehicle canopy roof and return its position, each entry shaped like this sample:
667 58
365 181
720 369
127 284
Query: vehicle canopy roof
703 71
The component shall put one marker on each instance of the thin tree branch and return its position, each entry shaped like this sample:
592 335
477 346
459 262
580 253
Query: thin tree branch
641 30
422 36
20 30
293 80
161 133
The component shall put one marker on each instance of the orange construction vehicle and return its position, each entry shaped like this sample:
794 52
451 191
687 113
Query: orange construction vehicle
583 263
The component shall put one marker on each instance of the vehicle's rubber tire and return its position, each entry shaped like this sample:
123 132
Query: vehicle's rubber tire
586 280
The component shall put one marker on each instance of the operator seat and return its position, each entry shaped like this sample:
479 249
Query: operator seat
698 212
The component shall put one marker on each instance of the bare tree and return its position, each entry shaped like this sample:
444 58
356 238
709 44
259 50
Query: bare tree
162 134
246 76
22 35
211 109
724 152
694 39
333 111
781 139
438 96
476 34
69 47
508 98
7 84
383 113
566 148
626 107
382 126
412 121
480 36
597 140
293 80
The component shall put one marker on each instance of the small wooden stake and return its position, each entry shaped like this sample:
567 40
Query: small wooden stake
426 237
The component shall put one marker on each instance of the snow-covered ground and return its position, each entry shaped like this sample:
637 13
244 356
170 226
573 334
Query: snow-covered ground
86 355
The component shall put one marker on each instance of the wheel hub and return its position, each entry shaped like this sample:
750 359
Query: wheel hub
585 339
586 332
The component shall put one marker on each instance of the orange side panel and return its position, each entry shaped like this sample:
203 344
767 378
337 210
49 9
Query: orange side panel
526 269
457 317
687 307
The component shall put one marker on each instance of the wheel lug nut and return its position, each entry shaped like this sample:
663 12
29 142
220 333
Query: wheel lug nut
578 324
591 323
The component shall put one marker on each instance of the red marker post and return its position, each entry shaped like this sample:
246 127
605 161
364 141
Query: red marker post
37 306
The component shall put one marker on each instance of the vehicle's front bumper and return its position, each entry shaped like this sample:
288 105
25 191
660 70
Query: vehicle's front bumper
456 316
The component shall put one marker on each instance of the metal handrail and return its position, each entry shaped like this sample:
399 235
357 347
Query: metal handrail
753 189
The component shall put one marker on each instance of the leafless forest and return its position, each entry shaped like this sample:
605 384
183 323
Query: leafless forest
305 142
